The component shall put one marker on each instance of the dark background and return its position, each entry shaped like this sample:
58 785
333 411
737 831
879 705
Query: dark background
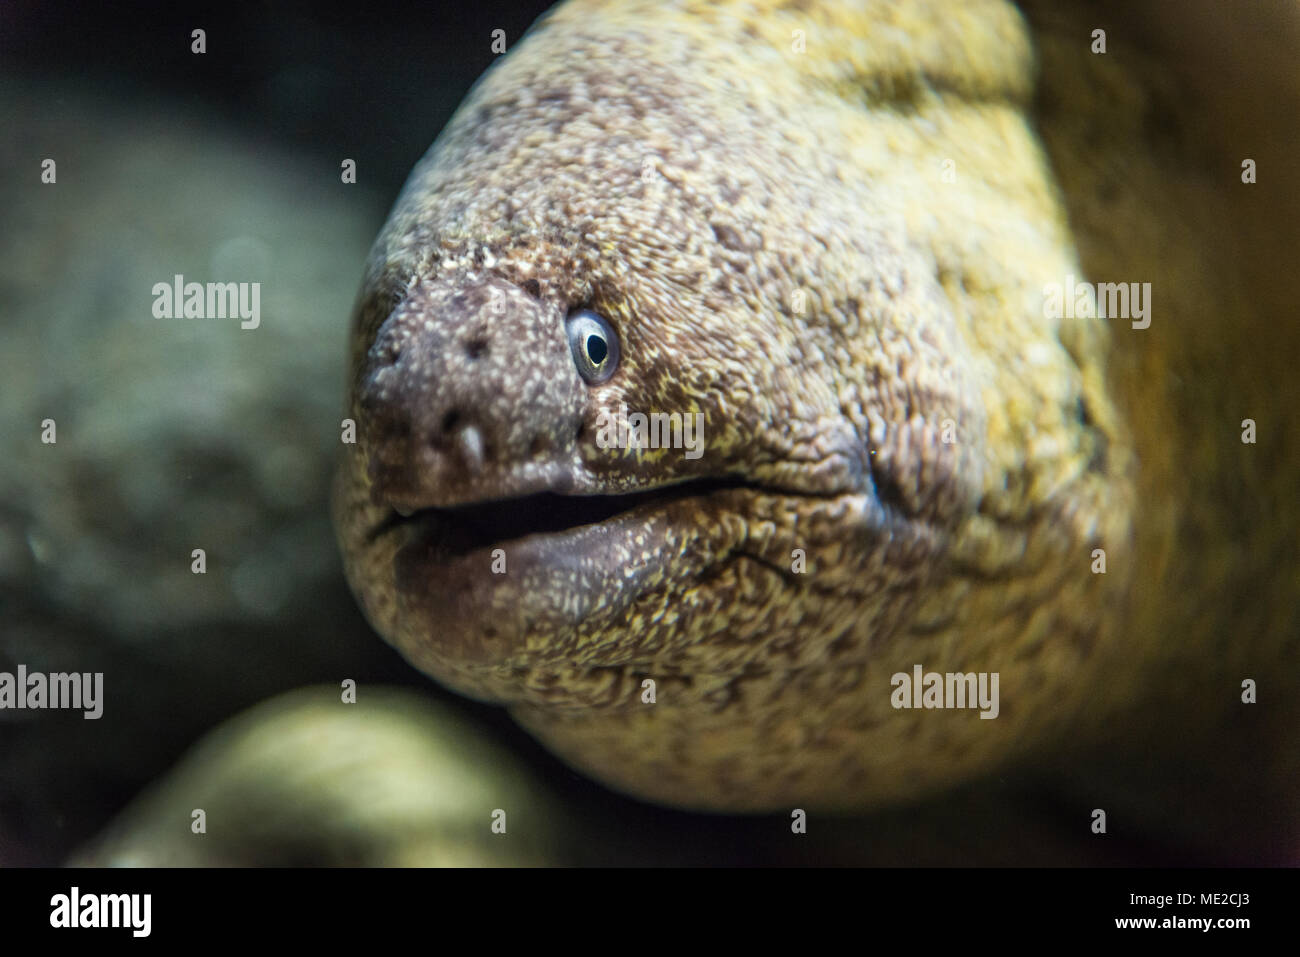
376 80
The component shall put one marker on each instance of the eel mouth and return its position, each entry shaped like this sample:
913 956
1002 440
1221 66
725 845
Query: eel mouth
475 583
462 529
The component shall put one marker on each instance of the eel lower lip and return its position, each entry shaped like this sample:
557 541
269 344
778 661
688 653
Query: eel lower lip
473 582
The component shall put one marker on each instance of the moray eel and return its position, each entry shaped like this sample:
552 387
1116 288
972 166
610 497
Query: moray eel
826 230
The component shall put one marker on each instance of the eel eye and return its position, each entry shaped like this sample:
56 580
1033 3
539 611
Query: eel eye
593 344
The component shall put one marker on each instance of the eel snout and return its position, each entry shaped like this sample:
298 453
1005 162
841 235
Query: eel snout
468 393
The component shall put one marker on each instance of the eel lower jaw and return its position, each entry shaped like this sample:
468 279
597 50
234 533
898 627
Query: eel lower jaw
479 584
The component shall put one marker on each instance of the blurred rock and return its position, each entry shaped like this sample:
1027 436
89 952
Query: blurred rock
172 435
307 780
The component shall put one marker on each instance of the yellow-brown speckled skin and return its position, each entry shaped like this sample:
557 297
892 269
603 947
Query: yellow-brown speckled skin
770 230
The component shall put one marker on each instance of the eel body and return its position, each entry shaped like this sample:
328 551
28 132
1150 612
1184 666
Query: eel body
827 232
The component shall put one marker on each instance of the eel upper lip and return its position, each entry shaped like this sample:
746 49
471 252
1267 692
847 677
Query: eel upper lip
490 521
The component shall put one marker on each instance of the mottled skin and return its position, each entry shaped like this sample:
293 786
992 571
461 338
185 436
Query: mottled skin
771 234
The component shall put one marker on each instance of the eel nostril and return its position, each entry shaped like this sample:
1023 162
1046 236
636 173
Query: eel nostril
450 421
532 287
476 348
538 446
